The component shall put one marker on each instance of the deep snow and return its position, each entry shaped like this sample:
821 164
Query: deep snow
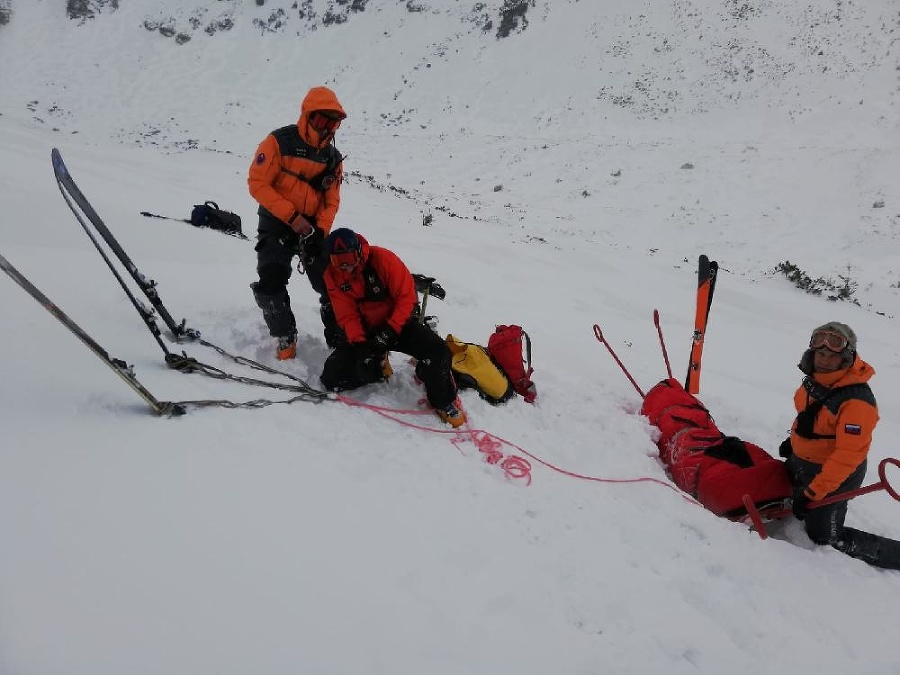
330 539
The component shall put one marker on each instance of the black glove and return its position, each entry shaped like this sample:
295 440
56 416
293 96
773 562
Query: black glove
800 503
383 338
785 450
368 362
313 246
362 351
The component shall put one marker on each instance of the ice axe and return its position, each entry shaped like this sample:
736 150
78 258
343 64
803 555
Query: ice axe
427 286
882 484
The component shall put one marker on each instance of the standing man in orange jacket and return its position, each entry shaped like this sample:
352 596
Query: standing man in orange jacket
296 179
830 441
374 298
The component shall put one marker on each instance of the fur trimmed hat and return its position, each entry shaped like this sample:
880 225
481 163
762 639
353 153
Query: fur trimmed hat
840 329
848 355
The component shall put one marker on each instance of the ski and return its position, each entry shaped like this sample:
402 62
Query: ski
90 222
79 205
119 367
707 271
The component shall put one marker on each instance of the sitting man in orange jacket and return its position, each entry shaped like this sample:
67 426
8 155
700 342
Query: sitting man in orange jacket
830 440
296 177
374 296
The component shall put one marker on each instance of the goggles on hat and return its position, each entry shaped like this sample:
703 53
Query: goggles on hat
325 121
833 342
345 260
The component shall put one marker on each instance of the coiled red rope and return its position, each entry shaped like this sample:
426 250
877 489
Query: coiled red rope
490 446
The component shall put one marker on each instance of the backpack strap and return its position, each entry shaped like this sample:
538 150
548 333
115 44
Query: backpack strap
833 399
290 144
374 288
528 369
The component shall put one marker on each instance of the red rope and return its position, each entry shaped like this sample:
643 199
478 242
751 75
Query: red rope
489 444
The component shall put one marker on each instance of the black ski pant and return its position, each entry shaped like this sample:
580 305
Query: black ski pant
343 369
825 524
276 246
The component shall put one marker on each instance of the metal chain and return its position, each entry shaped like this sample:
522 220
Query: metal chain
188 364
255 403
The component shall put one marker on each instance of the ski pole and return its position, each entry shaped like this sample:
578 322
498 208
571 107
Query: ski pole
662 342
147 214
599 335
882 484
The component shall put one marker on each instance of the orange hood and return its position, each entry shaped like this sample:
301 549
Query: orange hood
317 98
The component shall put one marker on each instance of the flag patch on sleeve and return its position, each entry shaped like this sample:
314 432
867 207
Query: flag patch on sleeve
853 429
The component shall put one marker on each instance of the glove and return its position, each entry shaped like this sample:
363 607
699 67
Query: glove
368 362
362 351
383 338
313 246
800 503
785 450
299 224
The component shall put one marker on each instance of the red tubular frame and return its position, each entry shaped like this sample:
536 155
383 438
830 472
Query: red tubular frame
882 484
599 335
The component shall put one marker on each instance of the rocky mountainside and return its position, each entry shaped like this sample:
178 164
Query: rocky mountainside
543 64
476 109
274 16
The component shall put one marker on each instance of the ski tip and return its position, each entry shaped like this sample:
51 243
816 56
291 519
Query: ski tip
59 167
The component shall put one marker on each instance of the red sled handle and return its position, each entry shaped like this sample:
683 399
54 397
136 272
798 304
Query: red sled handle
602 340
882 484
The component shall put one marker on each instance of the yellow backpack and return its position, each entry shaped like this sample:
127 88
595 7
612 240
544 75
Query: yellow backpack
474 369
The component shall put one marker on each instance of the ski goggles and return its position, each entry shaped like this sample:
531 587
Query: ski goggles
325 121
345 260
833 342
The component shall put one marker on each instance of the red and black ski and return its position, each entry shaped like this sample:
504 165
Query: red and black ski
707 271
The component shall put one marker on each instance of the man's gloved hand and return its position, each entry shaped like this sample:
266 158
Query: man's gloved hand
785 450
313 246
362 351
368 362
800 503
301 225
383 338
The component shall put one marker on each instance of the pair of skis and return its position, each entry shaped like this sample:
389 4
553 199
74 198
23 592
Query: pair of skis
91 223
707 272
125 372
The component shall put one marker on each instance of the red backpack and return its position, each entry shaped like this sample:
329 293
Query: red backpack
510 348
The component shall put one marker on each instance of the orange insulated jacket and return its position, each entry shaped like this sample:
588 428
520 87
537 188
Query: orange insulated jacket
296 171
836 416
